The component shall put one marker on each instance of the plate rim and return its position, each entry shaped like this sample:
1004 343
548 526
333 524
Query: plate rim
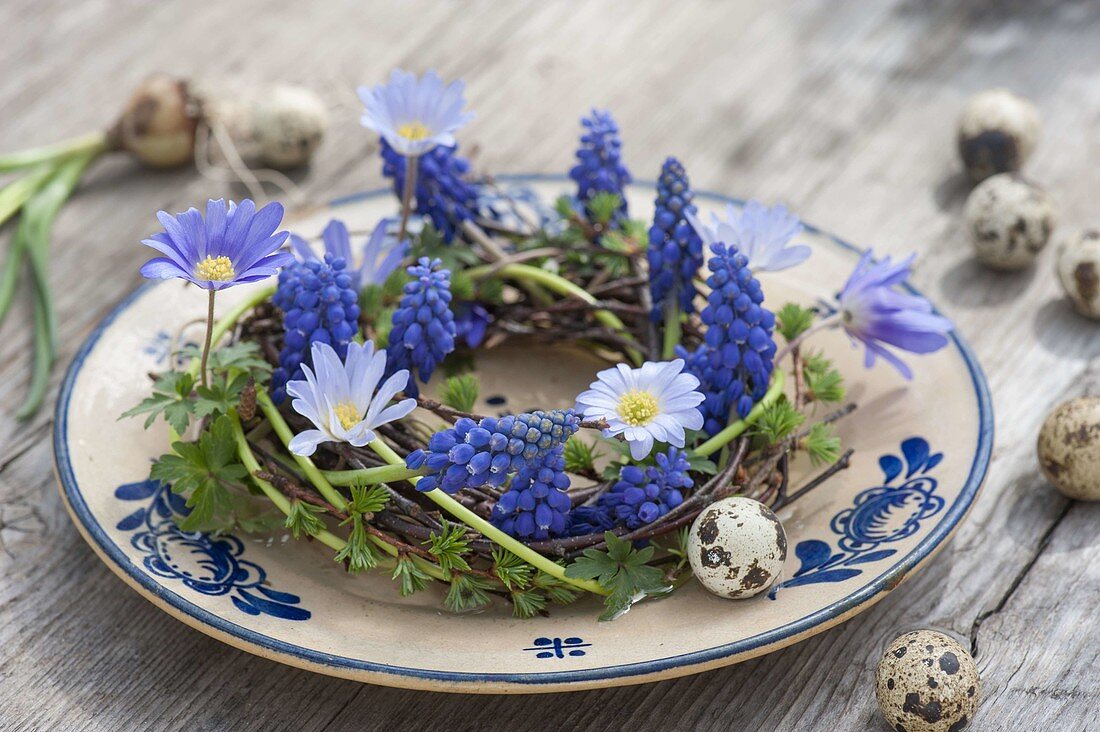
454 681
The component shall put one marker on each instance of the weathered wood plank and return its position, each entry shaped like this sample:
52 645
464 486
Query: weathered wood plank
844 110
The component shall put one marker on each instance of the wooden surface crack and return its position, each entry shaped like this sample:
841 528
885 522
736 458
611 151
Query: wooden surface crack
1040 547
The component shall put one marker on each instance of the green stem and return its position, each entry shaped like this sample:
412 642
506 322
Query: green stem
282 429
32 237
487 530
283 504
12 198
382 474
40 377
715 443
93 142
229 320
672 329
273 494
412 162
16 193
209 333
558 284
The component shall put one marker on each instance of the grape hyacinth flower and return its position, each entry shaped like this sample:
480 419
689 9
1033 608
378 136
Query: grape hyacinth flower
655 402
759 232
644 494
381 254
423 330
536 505
234 245
471 322
473 454
595 519
734 364
320 304
599 167
442 191
675 249
414 116
343 399
875 314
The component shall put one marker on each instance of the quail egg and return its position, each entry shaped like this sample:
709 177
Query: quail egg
1069 448
737 547
1079 271
927 682
997 132
1010 221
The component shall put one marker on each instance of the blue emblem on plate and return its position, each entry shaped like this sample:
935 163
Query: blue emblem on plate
878 516
206 563
558 647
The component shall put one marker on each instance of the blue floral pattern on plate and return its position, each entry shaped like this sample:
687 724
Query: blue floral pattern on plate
879 515
206 563
558 647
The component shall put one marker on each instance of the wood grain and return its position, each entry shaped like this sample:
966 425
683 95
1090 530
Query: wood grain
844 110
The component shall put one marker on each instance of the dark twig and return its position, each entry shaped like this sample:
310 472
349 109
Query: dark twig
842 463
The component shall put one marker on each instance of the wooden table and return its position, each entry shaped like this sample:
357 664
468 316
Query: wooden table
844 110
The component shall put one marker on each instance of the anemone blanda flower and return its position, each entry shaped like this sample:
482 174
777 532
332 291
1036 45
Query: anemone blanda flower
655 402
343 399
381 253
874 313
234 245
414 115
759 232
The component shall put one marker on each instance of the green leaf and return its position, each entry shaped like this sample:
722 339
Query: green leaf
448 546
467 592
580 457
558 592
527 603
564 207
359 553
778 420
623 570
700 464
460 392
793 320
221 395
204 471
171 399
490 290
603 206
462 286
823 382
514 572
822 444
304 518
413 579
368 500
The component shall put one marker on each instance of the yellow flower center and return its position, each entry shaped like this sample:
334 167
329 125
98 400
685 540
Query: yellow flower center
413 131
215 269
348 415
637 407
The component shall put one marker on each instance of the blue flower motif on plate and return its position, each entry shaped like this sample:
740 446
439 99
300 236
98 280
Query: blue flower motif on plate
558 647
880 515
206 563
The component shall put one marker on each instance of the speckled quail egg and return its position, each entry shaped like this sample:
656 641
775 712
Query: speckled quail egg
927 682
289 124
1010 221
1069 448
1079 271
737 547
997 132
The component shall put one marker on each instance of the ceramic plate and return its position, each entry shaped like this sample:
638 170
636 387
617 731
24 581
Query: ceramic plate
922 448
